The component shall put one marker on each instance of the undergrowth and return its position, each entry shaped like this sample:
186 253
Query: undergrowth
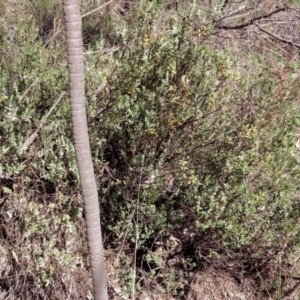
185 146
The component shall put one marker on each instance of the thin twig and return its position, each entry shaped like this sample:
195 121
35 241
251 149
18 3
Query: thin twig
92 11
99 89
34 135
276 36
25 93
251 21
291 293
104 51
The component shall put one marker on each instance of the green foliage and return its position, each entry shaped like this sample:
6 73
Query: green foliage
184 142
30 84
35 235
36 252
216 144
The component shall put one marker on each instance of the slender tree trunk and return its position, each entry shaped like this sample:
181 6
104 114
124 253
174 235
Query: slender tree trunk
82 145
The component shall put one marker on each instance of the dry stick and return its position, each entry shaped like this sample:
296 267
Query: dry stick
99 89
34 135
55 34
277 37
291 293
103 51
92 11
25 93
251 21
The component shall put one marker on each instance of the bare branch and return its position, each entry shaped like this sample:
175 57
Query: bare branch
277 37
291 293
251 21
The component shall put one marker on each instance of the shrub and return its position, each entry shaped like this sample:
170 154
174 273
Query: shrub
190 144
37 220
184 143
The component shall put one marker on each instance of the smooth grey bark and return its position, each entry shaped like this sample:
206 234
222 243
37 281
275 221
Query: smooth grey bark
82 145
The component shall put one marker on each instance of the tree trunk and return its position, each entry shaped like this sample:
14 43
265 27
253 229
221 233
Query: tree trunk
82 145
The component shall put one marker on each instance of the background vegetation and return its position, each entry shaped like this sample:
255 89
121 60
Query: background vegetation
193 115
